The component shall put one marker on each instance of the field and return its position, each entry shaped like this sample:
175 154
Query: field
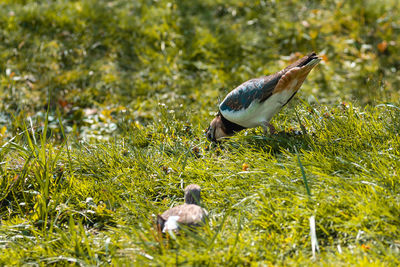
103 107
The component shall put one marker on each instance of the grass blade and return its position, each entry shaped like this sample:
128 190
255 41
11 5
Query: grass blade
303 173
313 234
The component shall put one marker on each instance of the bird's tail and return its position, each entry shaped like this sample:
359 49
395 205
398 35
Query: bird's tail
297 71
310 60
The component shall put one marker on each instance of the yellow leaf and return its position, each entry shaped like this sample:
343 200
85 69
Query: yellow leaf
106 113
365 247
245 166
324 58
3 130
382 46
313 34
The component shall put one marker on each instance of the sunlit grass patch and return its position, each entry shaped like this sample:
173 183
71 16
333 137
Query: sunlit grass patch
103 197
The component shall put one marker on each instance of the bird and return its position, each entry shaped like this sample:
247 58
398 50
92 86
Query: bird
256 101
189 213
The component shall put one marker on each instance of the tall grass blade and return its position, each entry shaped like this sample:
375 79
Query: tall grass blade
303 173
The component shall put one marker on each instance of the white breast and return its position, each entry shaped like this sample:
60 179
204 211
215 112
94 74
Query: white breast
171 224
259 113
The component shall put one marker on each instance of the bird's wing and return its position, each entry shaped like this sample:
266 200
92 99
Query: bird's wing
185 214
193 215
258 89
297 72
171 212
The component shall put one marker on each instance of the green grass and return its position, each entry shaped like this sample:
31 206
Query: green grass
95 203
103 106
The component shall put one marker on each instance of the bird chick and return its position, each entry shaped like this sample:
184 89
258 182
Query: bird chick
255 102
189 213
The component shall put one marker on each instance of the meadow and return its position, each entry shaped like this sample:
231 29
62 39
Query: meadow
103 107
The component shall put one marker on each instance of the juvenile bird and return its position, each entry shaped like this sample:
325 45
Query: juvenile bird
189 214
255 102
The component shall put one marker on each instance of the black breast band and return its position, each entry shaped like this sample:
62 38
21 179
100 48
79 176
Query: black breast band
230 127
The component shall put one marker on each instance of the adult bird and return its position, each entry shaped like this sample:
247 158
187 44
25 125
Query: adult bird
189 214
255 102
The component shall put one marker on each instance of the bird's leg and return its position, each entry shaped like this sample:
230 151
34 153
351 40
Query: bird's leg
268 126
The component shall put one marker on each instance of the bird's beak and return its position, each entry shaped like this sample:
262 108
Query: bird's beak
210 134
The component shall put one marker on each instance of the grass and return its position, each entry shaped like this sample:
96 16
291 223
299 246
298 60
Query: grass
94 203
103 110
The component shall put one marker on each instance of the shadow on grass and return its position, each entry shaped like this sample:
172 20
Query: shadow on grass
273 144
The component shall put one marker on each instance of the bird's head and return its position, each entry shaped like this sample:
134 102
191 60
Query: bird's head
192 194
217 129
